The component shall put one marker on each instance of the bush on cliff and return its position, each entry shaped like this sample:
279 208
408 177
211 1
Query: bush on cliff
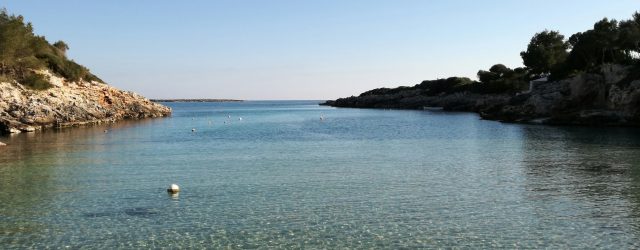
445 86
35 81
22 52
501 79
67 68
386 91
429 88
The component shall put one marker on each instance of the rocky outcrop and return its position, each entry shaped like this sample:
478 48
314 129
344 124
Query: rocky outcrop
413 99
69 104
610 97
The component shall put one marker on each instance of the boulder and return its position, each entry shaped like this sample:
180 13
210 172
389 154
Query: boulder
27 129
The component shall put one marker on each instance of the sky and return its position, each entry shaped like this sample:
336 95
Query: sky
299 50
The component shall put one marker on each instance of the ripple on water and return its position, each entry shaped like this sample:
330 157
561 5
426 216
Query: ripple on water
358 179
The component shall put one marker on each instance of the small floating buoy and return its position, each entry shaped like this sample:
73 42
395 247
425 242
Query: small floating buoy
240 119
193 130
174 189
229 116
106 131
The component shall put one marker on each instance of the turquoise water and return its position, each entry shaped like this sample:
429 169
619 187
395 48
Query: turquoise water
281 177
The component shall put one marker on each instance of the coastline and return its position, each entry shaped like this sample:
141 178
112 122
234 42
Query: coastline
196 100
609 97
70 104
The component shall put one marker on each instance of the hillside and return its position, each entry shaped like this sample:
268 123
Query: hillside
591 78
40 87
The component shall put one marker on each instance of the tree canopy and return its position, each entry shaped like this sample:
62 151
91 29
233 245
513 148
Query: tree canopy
546 50
501 79
610 41
61 45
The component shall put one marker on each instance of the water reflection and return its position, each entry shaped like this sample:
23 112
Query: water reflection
60 141
174 196
589 176
359 179
37 170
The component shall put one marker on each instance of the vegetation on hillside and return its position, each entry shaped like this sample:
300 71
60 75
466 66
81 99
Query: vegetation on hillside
22 52
547 54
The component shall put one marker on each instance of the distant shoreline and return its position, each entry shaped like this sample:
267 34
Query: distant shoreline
196 100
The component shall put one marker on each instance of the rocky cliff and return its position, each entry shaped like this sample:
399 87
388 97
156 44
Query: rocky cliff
69 104
609 97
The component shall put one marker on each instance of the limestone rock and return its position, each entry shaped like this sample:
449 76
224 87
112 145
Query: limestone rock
70 104
600 98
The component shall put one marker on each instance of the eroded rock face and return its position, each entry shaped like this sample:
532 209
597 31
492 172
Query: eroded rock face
586 99
70 104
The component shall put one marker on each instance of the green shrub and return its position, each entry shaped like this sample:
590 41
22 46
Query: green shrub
447 86
501 79
67 68
35 81
22 51
5 78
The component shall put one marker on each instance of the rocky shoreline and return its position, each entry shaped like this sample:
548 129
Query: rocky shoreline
610 97
68 104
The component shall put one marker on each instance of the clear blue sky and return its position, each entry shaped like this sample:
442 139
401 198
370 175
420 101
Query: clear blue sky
276 49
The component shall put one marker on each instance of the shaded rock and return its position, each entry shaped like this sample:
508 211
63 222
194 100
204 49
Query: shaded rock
610 97
585 99
27 129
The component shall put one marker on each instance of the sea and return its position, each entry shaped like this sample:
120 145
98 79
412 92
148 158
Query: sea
294 174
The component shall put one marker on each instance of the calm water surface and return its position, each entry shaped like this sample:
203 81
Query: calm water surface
281 177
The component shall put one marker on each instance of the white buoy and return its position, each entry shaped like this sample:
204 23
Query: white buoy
174 189
193 130
240 119
229 116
